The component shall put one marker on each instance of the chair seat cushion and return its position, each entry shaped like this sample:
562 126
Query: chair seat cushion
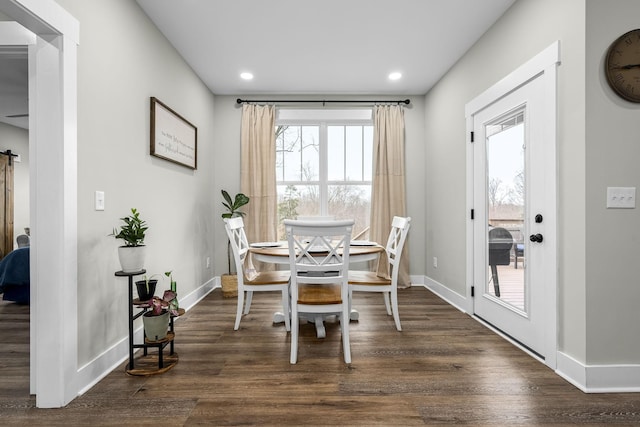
269 278
357 277
319 294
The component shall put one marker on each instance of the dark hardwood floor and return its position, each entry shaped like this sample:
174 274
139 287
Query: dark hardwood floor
443 368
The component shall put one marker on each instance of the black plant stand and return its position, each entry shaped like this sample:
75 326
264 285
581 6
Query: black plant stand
148 364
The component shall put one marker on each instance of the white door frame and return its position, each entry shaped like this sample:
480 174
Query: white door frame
53 197
544 66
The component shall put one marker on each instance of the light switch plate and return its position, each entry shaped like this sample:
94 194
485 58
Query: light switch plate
621 197
99 200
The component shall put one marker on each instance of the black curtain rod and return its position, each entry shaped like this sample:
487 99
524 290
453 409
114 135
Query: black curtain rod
323 101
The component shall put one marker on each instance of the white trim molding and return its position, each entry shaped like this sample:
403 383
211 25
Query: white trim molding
446 294
599 378
53 197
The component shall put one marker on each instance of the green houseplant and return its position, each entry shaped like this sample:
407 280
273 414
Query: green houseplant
230 281
132 231
156 319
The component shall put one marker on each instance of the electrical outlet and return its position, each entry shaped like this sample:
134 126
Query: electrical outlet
435 262
621 197
208 262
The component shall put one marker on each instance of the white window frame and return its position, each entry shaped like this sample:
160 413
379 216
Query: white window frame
323 119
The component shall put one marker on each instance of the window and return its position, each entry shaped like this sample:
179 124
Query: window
323 165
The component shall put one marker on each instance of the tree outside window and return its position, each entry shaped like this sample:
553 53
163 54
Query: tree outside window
324 169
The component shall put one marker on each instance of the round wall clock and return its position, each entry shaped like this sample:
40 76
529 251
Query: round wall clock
622 66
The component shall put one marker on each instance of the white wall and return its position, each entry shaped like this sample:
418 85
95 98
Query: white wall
123 60
613 235
526 29
17 140
227 168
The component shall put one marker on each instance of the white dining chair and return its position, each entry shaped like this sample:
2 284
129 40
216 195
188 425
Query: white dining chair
319 262
253 281
370 281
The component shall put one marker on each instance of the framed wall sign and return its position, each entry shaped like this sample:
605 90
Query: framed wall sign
173 138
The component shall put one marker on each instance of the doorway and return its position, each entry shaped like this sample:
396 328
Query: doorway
53 250
512 187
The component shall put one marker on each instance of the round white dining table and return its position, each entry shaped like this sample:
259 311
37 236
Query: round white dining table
278 253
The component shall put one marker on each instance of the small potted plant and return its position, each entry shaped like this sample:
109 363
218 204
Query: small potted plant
230 281
146 287
156 319
132 231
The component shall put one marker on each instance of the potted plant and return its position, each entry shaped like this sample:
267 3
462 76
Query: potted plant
156 319
230 281
146 287
133 231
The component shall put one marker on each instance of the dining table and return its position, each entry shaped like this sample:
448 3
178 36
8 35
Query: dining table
360 251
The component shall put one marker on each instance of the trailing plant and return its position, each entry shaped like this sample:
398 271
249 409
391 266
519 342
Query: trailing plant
161 305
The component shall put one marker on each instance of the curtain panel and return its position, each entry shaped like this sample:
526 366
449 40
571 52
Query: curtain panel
258 172
388 193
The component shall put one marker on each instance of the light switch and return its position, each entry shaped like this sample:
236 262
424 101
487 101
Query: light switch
621 197
99 200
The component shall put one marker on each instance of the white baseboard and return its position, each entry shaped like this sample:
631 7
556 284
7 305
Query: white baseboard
453 298
599 378
588 378
91 373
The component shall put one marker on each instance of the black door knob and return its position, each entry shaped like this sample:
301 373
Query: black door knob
536 238
538 219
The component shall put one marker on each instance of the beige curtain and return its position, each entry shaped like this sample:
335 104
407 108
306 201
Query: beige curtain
258 172
388 196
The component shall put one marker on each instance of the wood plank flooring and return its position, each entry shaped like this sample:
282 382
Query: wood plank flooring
443 368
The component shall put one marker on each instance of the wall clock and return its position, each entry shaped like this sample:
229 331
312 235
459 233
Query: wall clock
622 66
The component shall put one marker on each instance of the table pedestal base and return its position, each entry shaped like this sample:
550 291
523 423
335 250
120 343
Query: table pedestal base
278 317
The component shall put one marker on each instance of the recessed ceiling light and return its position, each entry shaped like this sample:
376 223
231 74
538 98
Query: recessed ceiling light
395 76
246 76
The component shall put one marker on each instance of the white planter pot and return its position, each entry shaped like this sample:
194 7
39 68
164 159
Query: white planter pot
156 327
132 258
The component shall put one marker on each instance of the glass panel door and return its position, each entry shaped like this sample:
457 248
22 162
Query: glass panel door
505 145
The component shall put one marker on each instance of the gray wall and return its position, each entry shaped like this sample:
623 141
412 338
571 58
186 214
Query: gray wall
123 60
17 140
613 235
227 169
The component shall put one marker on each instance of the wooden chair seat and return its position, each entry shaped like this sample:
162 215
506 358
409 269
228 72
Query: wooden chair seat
319 294
357 277
269 278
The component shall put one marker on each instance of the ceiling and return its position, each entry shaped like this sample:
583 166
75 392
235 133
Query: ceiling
322 47
328 47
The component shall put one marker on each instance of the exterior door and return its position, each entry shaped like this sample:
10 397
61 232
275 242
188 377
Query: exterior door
6 204
513 201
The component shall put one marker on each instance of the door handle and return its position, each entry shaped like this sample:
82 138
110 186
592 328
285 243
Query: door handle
536 238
